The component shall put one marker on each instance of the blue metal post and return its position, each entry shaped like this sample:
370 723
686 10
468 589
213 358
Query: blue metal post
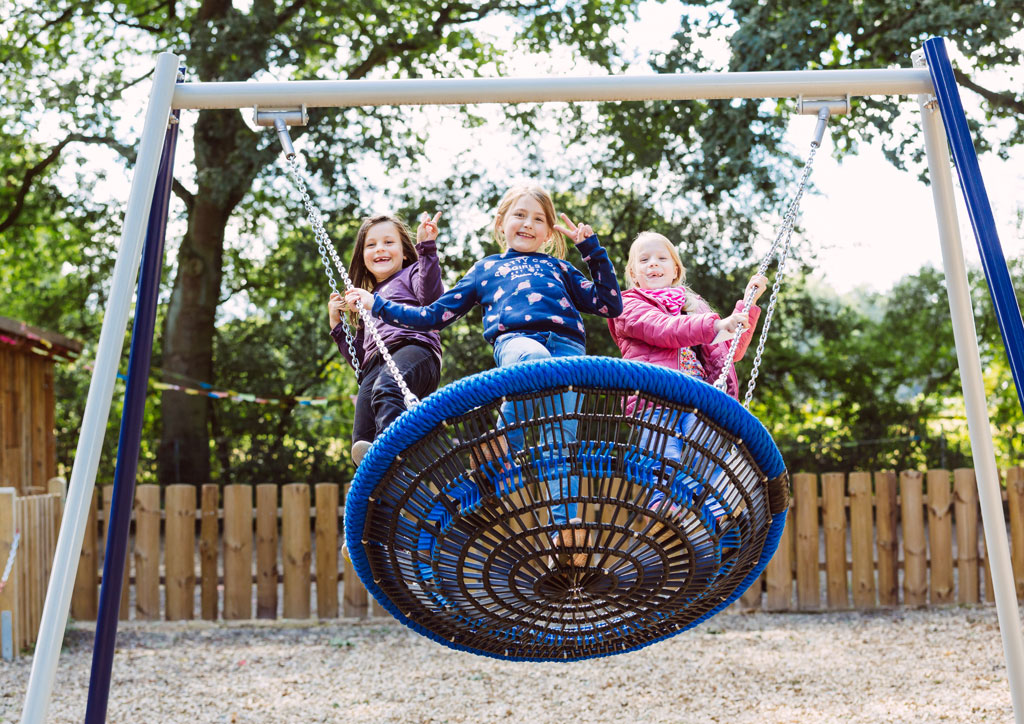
131 434
1000 287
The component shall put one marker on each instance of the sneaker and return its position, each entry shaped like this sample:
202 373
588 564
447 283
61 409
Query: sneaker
359 448
662 512
575 538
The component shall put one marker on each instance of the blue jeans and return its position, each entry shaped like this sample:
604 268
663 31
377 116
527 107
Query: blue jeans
670 447
512 348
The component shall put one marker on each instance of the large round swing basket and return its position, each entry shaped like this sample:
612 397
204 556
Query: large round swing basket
566 509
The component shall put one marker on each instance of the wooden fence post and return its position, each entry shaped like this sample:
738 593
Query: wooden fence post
296 549
940 536
833 510
779 572
1015 501
108 496
354 602
808 581
85 600
966 512
209 534
862 544
237 552
327 550
147 552
179 544
58 487
10 595
915 562
266 551
887 539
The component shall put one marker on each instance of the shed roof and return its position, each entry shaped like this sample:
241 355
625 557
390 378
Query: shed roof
33 339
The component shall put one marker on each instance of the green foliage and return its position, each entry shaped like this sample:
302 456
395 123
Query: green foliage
246 296
810 34
866 380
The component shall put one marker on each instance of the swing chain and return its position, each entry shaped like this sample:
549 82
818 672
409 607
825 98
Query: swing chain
327 248
781 245
788 225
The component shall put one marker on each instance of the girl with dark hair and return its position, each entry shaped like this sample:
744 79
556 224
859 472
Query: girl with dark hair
386 263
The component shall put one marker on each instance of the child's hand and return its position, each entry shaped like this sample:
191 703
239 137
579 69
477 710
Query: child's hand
733 323
575 233
358 295
758 283
334 307
427 230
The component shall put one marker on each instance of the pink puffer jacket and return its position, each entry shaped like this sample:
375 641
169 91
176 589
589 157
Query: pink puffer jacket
647 332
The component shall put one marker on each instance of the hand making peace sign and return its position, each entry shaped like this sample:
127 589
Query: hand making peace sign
427 230
575 233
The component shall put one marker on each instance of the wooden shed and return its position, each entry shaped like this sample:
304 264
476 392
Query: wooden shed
28 446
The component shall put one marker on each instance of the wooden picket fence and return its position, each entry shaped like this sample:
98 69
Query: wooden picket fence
295 545
863 540
28 530
886 539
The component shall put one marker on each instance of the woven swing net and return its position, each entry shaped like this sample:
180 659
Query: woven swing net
566 509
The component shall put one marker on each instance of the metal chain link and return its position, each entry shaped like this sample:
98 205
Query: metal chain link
783 240
327 248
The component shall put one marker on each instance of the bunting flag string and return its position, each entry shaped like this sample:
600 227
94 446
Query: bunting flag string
189 386
47 348
205 389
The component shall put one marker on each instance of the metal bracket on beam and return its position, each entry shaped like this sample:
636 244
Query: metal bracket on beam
919 60
823 108
280 119
837 105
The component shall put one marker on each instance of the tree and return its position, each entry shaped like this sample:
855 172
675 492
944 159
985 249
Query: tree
51 41
807 34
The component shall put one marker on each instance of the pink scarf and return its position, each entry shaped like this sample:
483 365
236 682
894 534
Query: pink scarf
673 298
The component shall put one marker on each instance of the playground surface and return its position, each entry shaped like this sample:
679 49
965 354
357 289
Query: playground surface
934 665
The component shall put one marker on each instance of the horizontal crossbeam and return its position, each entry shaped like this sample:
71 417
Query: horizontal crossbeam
458 91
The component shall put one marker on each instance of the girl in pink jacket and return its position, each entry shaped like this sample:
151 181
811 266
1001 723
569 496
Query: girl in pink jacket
665 323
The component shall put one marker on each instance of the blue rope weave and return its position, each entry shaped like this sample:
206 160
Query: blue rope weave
468 550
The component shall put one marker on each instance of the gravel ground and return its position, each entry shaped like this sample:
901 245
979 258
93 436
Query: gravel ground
938 665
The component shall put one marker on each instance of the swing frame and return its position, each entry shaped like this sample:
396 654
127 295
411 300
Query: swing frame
942 118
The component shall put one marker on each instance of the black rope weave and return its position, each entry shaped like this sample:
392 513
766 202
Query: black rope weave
459 533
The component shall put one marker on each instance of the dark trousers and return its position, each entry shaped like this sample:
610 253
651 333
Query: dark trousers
380 400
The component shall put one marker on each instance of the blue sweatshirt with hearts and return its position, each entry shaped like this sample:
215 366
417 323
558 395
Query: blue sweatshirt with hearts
520 292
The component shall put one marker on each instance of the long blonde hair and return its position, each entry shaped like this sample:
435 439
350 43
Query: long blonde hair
679 280
555 245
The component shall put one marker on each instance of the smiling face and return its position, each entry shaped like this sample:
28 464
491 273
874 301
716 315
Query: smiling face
653 263
526 226
382 250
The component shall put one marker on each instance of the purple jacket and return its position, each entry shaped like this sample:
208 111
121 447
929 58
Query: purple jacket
647 332
418 284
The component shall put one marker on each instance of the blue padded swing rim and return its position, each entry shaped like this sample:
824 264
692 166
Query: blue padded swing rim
482 388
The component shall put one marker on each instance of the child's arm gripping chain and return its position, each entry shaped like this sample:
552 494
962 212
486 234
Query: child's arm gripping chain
446 309
645 321
335 308
755 288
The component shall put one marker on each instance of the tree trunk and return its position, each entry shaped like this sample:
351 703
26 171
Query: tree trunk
184 452
183 455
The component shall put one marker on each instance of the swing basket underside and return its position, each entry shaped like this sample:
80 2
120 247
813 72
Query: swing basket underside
477 520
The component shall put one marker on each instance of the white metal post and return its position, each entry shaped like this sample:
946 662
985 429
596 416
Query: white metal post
978 424
101 391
